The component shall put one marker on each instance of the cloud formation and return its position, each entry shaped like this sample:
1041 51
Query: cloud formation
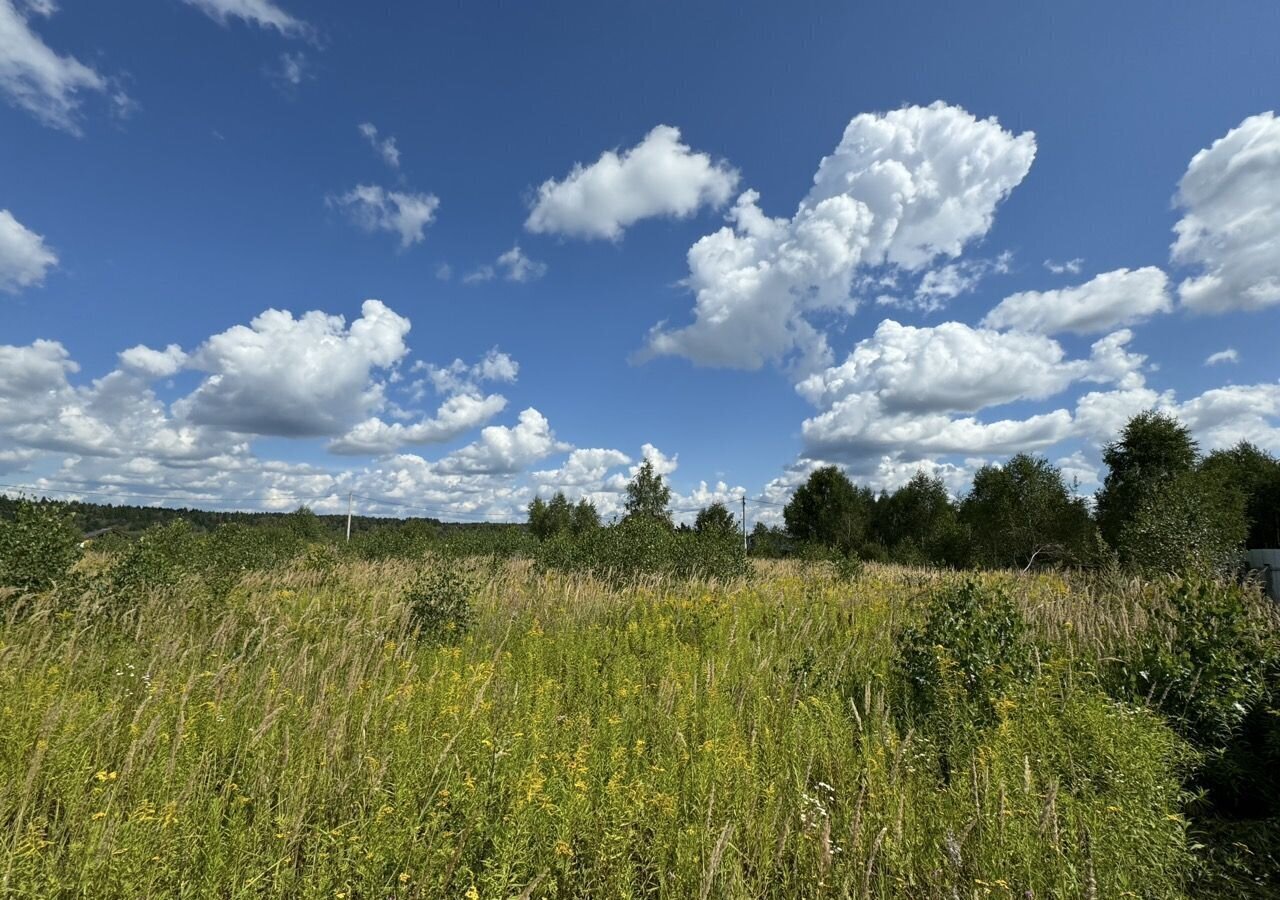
660 176
24 256
402 213
901 189
1230 228
308 376
37 79
385 147
263 13
1112 299
899 391
513 265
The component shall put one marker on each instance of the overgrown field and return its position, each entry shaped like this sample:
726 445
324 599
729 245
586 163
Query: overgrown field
362 729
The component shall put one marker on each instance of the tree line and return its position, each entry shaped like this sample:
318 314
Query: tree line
1162 505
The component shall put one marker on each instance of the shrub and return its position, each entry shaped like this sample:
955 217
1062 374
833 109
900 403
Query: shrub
645 546
223 556
158 558
38 547
412 539
971 648
1203 660
439 604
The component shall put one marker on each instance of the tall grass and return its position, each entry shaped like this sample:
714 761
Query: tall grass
670 738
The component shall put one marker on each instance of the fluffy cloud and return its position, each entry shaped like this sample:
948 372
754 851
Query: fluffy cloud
455 417
513 265
585 468
24 256
503 450
148 363
295 377
36 78
465 407
660 176
1230 196
263 13
385 148
1222 417
898 391
1222 356
460 378
901 189
858 426
953 367
941 285
30 378
114 416
1112 299
374 209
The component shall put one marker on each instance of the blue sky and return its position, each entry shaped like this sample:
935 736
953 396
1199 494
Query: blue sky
172 169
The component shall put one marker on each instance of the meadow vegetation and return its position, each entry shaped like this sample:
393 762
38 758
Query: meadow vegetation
640 710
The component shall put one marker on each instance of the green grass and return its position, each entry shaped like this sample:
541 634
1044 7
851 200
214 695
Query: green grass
673 739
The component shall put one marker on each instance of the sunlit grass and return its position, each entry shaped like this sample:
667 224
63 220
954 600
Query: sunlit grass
670 739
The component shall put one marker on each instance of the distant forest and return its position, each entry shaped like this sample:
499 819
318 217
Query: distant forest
133 520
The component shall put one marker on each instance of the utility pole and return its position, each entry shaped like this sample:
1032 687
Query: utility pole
351 495
745 548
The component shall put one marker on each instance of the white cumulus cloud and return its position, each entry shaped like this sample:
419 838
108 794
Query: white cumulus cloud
503 449
899 391
295 377
1230 229
513 265
148 363
1222 356
660 176
901 189
456 416
402 213
24 256
1112 299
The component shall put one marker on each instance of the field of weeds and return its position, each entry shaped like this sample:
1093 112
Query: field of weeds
793 734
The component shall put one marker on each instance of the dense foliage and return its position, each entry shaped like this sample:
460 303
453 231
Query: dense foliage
645 545
1022 513
38 546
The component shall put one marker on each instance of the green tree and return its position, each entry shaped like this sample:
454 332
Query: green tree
715 519
1021 513
539 524
647 495
549 518
559 513
1154 448
586 517
769 542
917 523
827 509
304 524
1191 524
1256 474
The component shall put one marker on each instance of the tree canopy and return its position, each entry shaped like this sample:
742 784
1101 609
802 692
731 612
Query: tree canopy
647 495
